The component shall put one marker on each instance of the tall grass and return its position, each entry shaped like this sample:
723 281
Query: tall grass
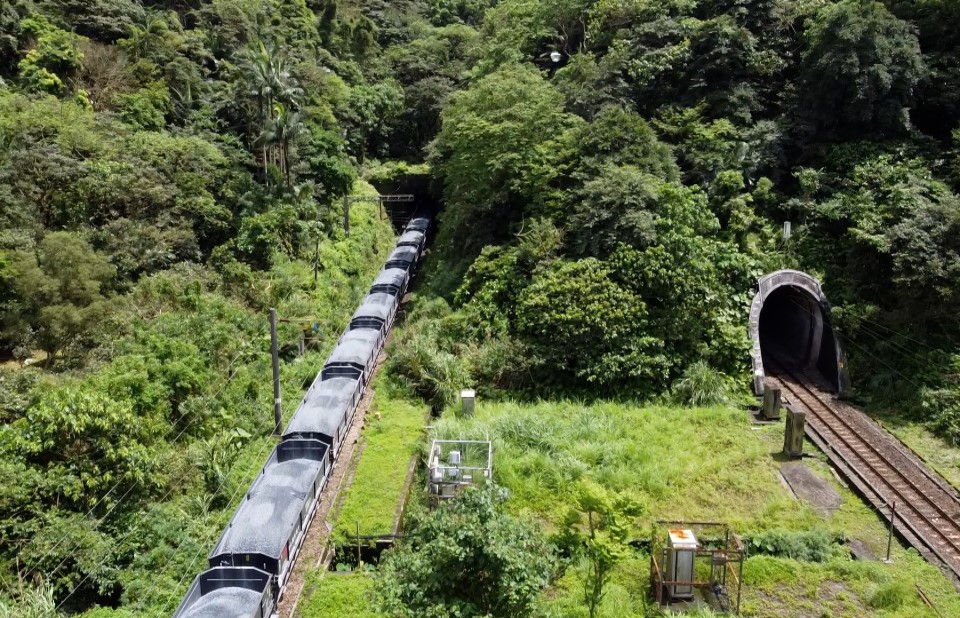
420 358
701 385
31 603
433 374
681 462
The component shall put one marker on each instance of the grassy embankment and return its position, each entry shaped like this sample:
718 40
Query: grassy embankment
374 496
939 453
707 464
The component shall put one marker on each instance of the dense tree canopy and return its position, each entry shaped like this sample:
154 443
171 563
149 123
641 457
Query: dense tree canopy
670 142
860 68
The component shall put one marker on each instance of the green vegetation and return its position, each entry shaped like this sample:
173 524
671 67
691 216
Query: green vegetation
170 170
598 532
706 464
650 169
389 444
338 595
468 558
167 433
544 450
679 463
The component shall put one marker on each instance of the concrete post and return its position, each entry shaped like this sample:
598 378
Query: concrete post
793 433
771 403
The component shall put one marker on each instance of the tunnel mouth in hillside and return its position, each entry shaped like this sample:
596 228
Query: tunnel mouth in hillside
790 330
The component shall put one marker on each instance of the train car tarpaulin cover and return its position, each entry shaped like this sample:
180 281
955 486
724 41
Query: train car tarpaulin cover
790 318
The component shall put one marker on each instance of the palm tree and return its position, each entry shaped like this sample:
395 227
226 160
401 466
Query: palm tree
275 91
280 133
146 39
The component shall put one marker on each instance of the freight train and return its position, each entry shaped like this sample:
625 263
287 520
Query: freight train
250 564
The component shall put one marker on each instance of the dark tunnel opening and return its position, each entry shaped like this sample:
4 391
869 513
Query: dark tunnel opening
795 332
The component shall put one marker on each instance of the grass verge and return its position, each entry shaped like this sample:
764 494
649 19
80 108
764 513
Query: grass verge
389 444
338 596
704 464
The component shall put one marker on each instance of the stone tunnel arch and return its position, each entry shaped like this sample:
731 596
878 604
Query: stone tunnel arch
790 317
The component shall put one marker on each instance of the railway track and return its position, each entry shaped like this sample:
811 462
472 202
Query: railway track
882 469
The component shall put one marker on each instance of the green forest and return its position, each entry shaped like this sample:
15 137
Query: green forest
613 177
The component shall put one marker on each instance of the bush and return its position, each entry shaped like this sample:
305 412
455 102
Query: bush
891 596
701 385
597 339
805 545
429 372
943 405
469 558
32 603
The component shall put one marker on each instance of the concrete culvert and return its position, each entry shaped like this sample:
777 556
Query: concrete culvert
790 326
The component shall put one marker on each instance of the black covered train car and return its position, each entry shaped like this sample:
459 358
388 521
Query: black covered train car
391 281
413 239
376 312
355 354
268 527
403 257
228 592
326 411
418 224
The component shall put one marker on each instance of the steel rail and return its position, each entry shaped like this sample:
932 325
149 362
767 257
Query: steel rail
883 457
824 413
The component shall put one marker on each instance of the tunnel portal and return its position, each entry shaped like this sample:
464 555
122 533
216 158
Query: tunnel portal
790 322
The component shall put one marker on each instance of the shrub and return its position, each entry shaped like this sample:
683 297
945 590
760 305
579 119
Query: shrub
891 596
431 373
701 385
55 57
599 338
806 545
469 558
32 603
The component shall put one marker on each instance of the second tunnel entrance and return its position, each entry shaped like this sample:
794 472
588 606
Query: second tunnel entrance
790 326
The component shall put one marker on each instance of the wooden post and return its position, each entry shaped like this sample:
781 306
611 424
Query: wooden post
771 403
346 215
793 433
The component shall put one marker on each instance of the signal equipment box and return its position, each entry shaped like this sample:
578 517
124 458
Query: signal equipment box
681 551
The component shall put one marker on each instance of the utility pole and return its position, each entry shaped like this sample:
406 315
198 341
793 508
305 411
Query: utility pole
893 522
277 419
316 249
316 259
